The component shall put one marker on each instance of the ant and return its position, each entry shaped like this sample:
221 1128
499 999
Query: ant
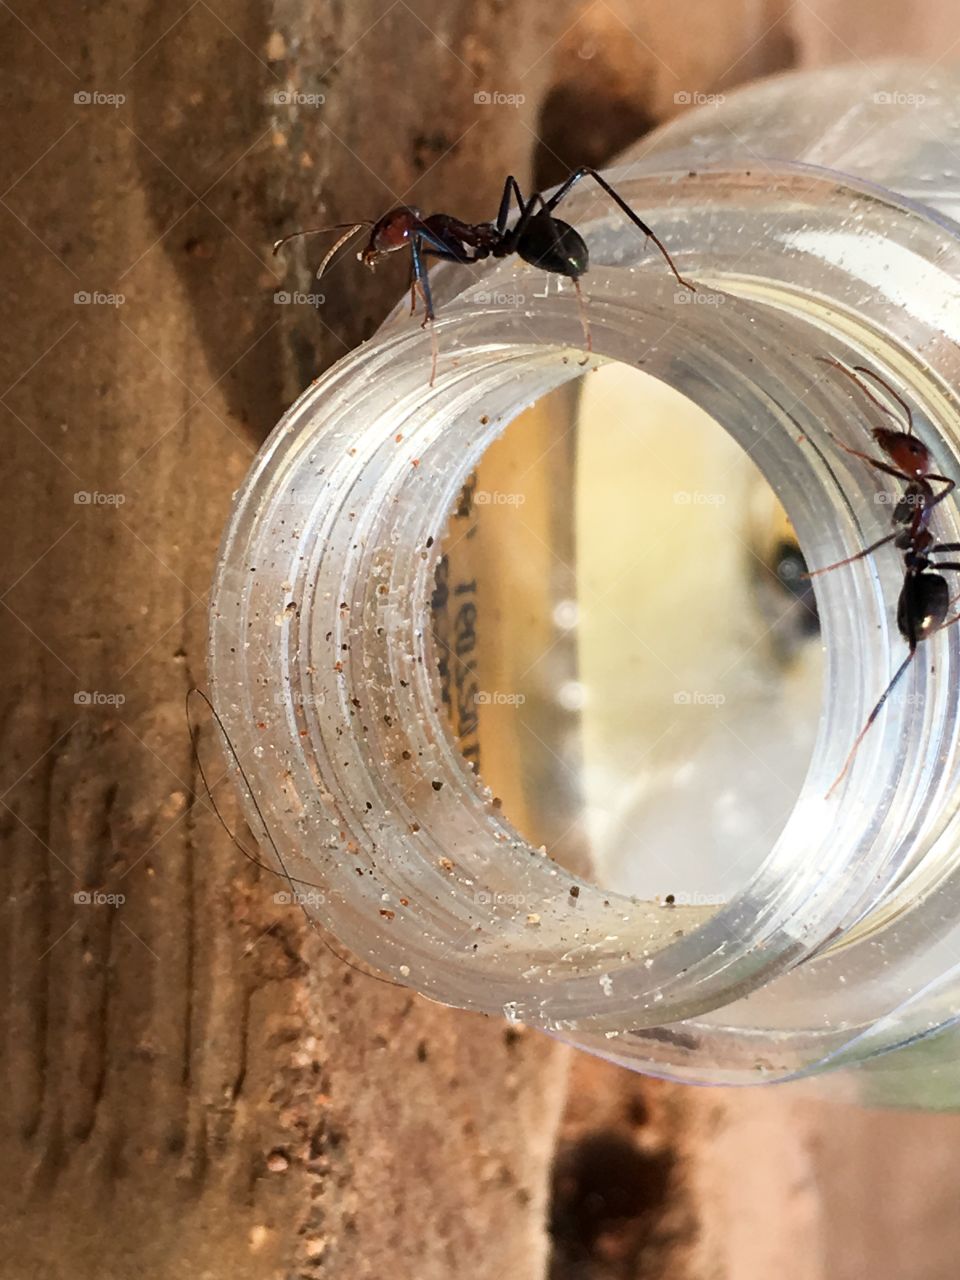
924 597
536 236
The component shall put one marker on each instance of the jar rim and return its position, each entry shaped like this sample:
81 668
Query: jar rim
500 362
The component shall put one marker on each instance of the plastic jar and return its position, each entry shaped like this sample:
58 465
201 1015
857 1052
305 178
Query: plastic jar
812 211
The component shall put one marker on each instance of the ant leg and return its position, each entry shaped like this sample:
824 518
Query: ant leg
426 241
859 382
194 732
510 188
860 555
510 239
434 355
944 493
950 622
586 172
584 320
581 305
922 512
535 199
870 719
913 641
420 278
283 873
445 255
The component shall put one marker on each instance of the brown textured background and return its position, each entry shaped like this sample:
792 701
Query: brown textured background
191 1086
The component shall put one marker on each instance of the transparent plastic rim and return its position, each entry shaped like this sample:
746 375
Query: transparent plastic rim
322 665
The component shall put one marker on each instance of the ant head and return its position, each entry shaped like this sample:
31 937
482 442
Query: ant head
904 451
392 232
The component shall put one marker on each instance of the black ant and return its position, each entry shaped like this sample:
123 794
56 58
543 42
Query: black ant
536 236
924 597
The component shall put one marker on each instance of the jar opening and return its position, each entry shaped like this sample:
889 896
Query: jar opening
628 652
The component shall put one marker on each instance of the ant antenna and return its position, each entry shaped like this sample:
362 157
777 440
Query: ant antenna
319 231
862 369
342 241
284 873
251 857
895 395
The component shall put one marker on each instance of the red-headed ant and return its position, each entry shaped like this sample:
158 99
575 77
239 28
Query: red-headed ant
924 597
536 236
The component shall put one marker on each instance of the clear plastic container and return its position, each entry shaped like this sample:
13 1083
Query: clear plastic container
813 213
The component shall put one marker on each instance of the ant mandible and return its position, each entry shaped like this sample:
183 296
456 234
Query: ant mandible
537 237
924 597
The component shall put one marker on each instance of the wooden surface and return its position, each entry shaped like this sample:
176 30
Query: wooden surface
192 1087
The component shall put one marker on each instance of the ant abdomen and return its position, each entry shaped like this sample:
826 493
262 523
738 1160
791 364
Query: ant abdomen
922 606
554 246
